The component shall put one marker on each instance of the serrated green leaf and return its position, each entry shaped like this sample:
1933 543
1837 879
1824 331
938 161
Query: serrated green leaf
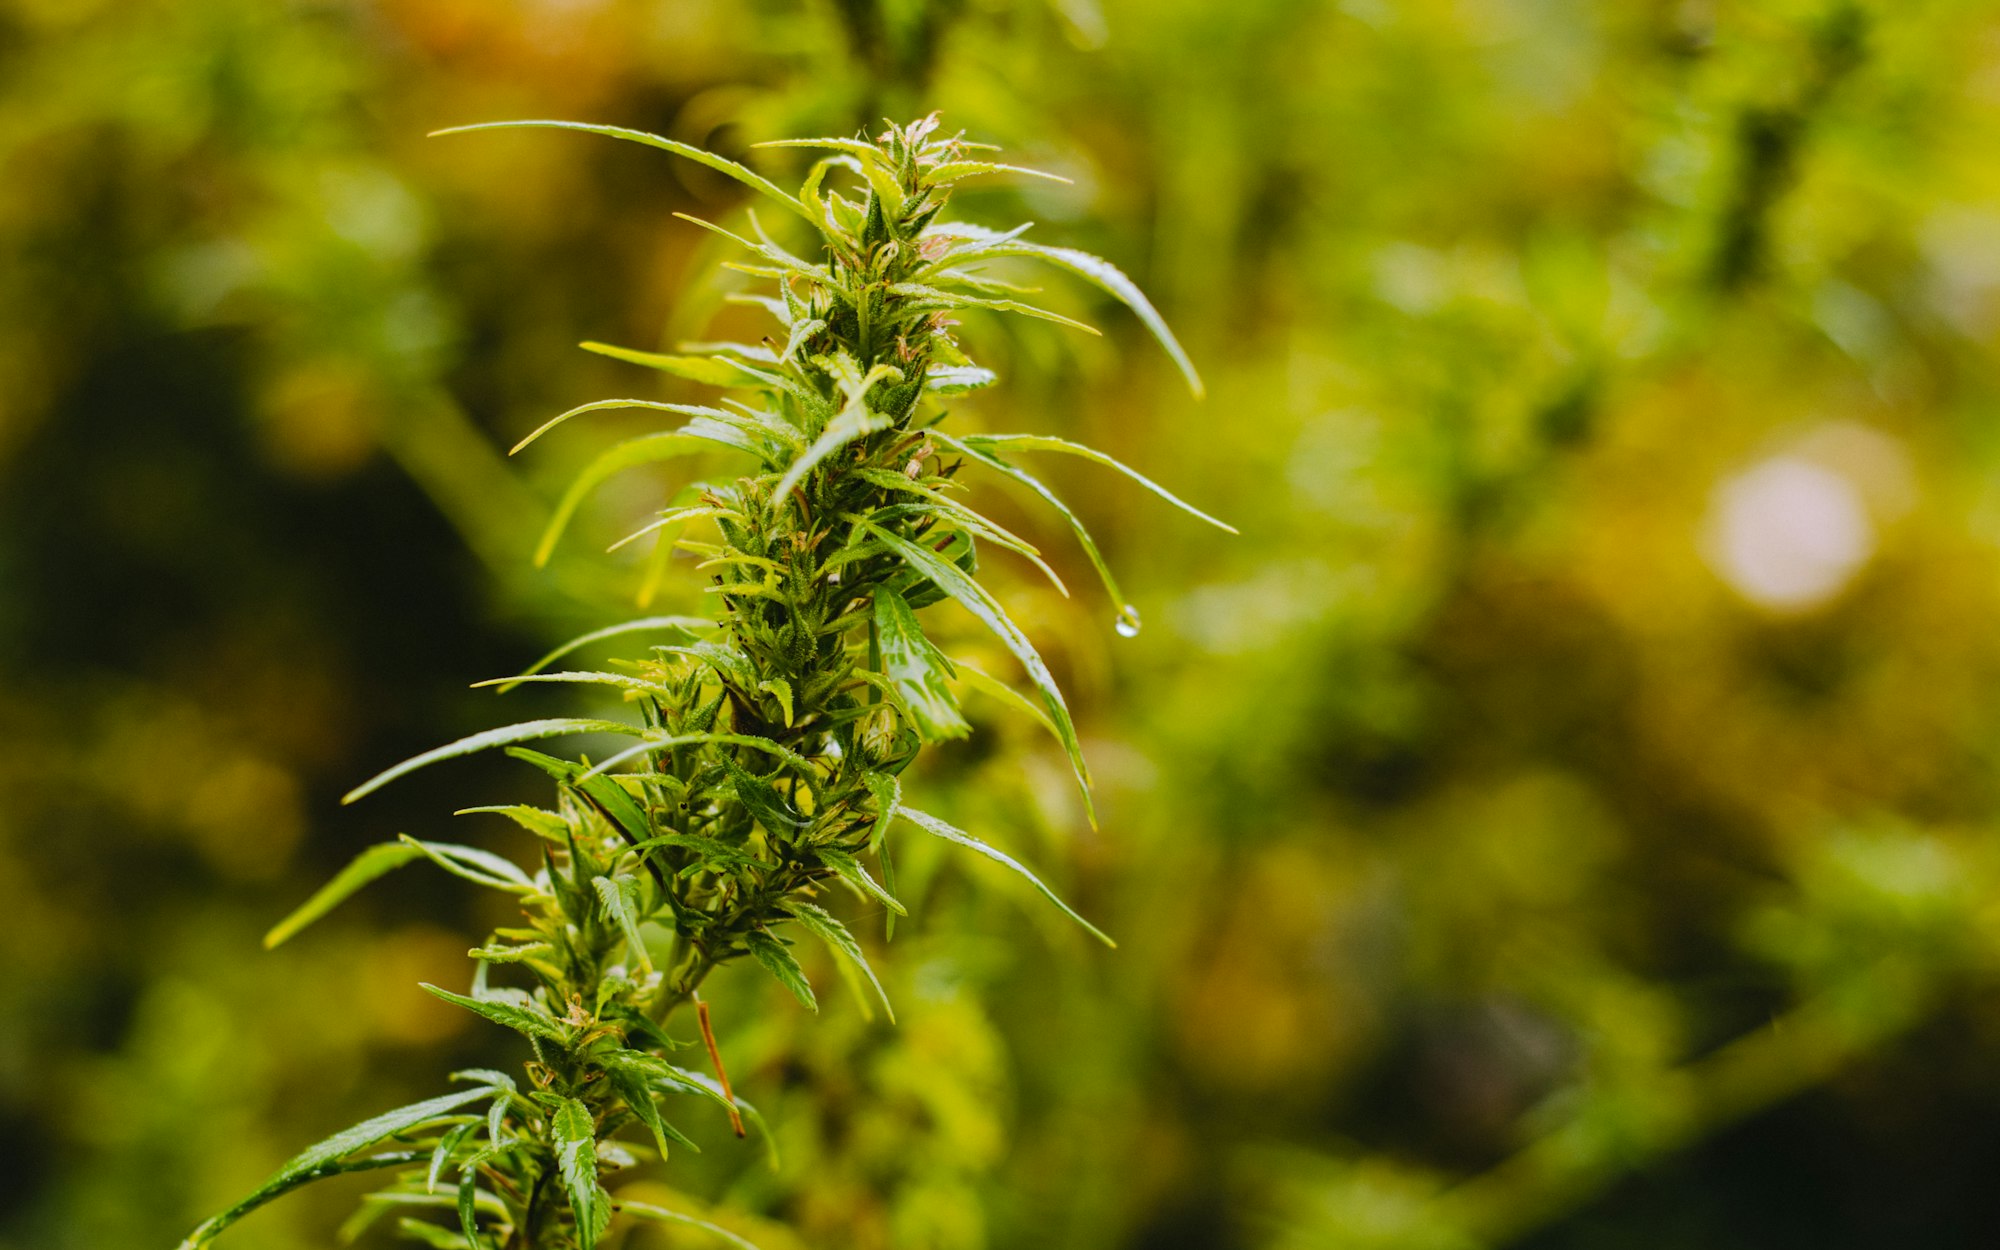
486 1076
328 1158
781 690
763 801
986 683
888 792
854 421
849 869
708 370
365 867
917 670
780 963
638 1095
506 735
823 926
720 164
620 898
974 598
575 1137
520 1019
938 828
620 681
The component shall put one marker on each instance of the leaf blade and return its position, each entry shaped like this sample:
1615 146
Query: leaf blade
702 156
364 868
506 735
951 833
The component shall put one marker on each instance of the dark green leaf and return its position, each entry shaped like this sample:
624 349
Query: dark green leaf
779 962
835 934
917 670
955 582
638 1095
519 1019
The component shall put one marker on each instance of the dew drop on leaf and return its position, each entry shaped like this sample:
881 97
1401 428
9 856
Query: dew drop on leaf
1128 622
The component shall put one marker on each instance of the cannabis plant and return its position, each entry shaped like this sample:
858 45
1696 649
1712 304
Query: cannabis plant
762 767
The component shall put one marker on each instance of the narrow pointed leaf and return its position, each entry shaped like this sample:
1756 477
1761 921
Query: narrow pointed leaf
959 585
685 624
447 1147
953 171
480 867
526 731
991 461
520 1019
720 164
1099 272
938 828
365 867
612 405
646 449
822 925
958 379
849 869
854 421
329 1158
1042 442
543 824
632 1086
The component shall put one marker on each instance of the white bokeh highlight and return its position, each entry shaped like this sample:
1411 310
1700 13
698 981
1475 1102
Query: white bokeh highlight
1789 534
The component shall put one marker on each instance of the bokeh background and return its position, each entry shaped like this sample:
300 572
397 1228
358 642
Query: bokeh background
1562 819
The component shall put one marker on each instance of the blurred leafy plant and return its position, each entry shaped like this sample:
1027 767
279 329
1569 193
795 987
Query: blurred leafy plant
764 767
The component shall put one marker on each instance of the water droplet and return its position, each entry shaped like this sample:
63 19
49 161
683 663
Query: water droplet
1128 622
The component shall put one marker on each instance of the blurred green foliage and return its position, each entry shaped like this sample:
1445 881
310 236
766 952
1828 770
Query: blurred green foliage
1562 819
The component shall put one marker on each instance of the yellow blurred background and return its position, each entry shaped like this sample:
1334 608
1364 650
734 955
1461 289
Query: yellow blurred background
1562 819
